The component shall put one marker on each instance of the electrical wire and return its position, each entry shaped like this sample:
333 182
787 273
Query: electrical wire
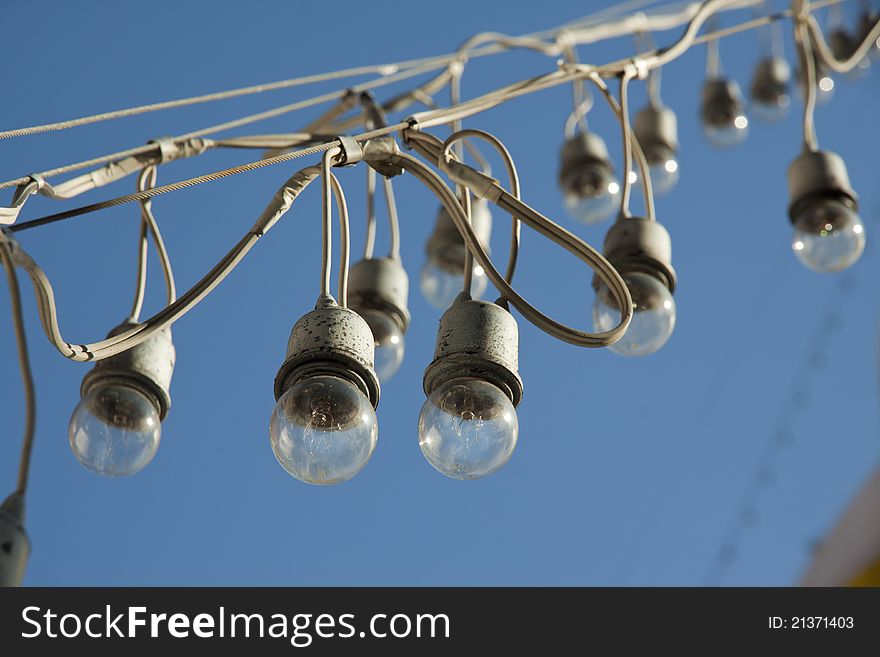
808 66
546 227
27 379
198 180
512 175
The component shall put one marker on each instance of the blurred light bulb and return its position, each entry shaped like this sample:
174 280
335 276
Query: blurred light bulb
723 112
323 430
593 193
824 83
653 317
769 89
388 340
867 19
843 45
828 236
442 278
586 177
656 129
467 428
115 430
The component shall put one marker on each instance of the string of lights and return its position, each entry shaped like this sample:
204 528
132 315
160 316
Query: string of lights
323 429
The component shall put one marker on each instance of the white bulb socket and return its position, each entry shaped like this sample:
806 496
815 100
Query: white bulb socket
446 246
380 284
818 175
770 80
146 367
585 149
635 244
722 102
656 129
14 544
477 339
333 341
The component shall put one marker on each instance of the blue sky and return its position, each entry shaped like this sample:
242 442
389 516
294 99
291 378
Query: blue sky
627 472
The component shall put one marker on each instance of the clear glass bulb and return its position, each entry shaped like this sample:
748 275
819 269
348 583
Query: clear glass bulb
828 236
468 428
388 340
442 278
653 315
323 430
593 194
771 111
115 430
728 133
663 167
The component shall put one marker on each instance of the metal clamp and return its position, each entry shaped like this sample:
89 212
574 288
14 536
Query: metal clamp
352 151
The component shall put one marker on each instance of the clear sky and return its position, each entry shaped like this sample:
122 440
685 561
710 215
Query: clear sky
627 472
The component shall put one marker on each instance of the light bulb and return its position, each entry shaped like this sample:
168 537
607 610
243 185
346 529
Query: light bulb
323 430
653 315
824 84
388 340
442 277
467 428
769 89
586 178
828 236
592 194
115 430
663 167
843 45
656 129
723 112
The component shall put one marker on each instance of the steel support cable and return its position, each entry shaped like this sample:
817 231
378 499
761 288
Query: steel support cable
381 69
246 120
27 379
545 227
198 180
645 22
279 205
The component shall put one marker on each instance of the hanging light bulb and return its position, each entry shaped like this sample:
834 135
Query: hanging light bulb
587 179
769 89
377 291
468 426
824 82
829 235
14 544
843 45
723 112
656 130
323 428
115 429
867 19
442 276
641 251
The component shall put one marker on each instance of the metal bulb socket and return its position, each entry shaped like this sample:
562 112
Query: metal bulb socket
330 341
477 339
638 245
14 544
146 367
815 176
